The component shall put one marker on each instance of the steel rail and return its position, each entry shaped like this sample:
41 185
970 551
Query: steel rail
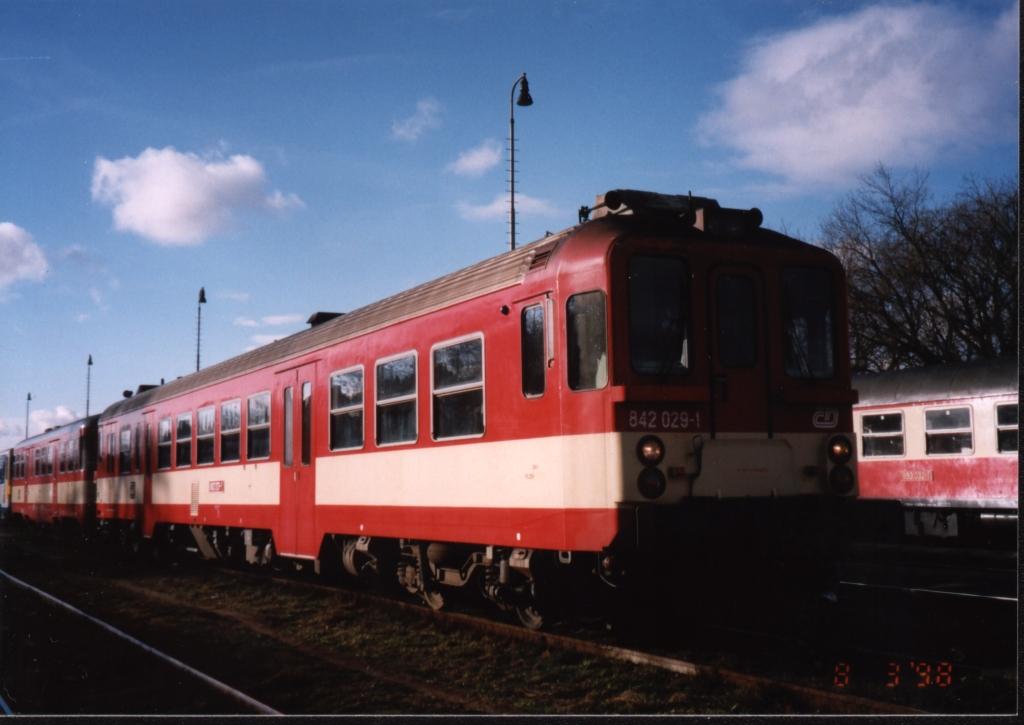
933 592
217 685
596 649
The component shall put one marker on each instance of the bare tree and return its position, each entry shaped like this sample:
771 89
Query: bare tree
928 284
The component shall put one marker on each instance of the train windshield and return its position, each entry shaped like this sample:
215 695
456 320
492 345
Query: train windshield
659 307
808 320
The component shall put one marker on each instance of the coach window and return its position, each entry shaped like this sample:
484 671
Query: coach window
124 458
307 412
204 436
137 449
737 321
288 432
230 430
807 315
183 441
458 383
948 430
111 443
533 352
396 400
347 409
1006 427
882 435
587 341
163 444
257 422
659 299
62 456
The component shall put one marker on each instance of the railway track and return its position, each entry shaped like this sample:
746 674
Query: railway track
800 696
193 685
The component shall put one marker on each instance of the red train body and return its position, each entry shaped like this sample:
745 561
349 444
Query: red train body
668 369
942 443
52 474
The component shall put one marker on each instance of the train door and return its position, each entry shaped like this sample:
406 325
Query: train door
739 360
294 394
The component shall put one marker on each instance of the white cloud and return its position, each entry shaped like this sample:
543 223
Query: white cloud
498 208
282 202
427 116
182 199
282 319
23 259
265 339
12 430
477 160
897 84
269 320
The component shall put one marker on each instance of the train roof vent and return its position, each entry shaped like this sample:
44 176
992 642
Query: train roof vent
144 388
540 257
318 318
700 212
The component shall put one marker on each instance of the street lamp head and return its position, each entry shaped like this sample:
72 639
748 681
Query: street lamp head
202 295
524 92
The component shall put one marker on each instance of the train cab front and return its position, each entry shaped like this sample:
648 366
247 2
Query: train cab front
732 402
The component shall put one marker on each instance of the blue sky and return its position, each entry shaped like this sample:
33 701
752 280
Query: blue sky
302 156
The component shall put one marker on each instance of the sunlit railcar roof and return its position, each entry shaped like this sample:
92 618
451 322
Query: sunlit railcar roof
487 276
55 431
938 382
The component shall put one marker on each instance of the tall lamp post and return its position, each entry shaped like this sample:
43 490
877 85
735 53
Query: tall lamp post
88 384
199 321
27 401
523 100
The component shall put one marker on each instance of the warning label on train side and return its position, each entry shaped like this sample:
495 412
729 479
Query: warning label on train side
660 417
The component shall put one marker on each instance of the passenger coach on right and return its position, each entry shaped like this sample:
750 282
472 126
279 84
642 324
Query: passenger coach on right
939 453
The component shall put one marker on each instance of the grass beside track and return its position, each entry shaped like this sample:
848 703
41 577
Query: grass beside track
315 650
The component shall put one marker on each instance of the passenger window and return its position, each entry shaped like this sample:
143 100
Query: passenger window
347 410
124 459
137 448
163 444
807 302
659 309
204 435
533 353
737 321
882 435
183 441
396 400
288 432
230 430
587 341
948 430
1006 427
111 440
459 389
257 436
307 410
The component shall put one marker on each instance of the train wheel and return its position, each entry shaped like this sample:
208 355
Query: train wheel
434 600
526 608
530 616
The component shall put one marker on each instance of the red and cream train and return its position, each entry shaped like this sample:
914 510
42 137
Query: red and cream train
940 443
664 380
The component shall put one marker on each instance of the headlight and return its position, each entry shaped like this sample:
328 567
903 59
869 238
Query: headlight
839 449
840 480
650 450
651 482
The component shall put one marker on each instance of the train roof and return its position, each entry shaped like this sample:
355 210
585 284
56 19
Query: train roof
938 382
55 431
490 275
487 276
